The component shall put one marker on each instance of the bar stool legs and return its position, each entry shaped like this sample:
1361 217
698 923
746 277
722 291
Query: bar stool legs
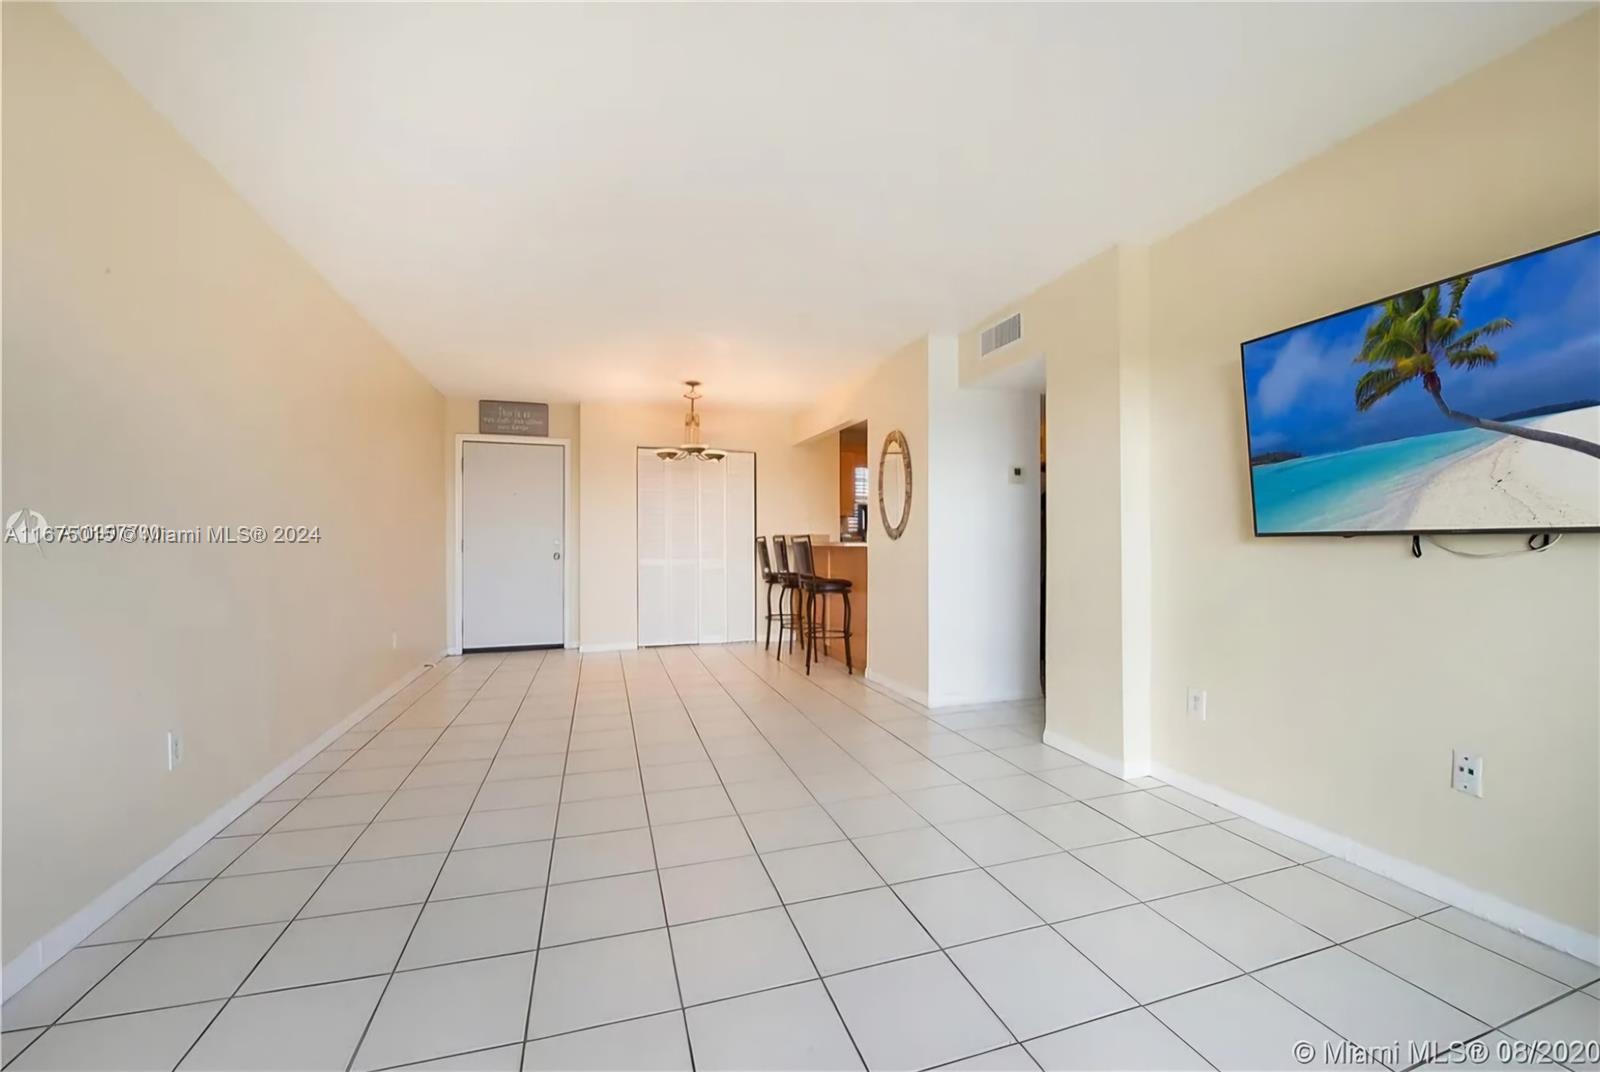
816 628
768 645
849 665
795 621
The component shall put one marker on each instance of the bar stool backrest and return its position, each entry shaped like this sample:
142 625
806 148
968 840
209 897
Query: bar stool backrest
780 544
763 559
804 565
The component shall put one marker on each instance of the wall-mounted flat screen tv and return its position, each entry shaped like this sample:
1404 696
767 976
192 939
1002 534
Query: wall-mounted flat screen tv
1467 405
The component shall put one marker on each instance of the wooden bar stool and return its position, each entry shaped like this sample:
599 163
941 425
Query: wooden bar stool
814 588
790 582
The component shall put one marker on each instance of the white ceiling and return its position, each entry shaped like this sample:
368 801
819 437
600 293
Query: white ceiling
564 202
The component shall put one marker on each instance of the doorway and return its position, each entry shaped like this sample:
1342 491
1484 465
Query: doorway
512 549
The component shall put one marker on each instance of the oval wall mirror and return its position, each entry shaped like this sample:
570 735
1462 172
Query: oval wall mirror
894 484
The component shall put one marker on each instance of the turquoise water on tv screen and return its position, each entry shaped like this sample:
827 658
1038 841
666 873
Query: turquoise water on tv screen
1353 489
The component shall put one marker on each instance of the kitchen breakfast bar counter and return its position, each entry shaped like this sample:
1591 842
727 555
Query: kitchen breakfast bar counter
846 560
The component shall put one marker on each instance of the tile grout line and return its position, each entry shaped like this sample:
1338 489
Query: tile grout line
555 829
666 918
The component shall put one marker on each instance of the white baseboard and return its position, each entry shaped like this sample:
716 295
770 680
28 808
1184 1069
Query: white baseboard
1110 764
903 692
919 696
27 965
947 699
594 649
1524 921
569 645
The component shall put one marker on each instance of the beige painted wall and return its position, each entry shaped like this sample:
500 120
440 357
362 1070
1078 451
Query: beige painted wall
1342 672
893 395
168 359
1077 323
461 418
796 492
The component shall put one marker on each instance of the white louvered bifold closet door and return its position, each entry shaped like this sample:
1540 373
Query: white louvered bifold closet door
739 511
696 550
713 552
652 537
683 553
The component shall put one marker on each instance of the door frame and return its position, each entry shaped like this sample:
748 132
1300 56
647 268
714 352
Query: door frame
569 543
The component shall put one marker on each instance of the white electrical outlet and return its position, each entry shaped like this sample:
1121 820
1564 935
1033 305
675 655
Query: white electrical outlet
174 749
1466 773
1196 705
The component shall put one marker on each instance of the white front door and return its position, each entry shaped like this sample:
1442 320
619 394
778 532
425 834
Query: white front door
512 524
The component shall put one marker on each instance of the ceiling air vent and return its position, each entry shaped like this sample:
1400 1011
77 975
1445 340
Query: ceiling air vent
1007 331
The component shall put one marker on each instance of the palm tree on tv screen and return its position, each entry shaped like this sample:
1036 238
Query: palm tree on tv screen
1414 336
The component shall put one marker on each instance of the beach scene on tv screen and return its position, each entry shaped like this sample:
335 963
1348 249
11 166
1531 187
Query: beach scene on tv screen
1470 404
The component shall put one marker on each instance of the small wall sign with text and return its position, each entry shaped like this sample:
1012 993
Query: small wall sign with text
513 418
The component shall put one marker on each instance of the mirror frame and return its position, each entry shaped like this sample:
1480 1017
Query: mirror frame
895 443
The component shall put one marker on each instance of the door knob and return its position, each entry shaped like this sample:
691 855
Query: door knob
557 555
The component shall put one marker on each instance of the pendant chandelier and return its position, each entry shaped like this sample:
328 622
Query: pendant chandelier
691 447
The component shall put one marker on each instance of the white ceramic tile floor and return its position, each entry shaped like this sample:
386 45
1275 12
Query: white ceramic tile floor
651 1044
325 949
1365 1004
1129 1040
915 1013
1145 954
909 854
702 858
1037 982
733 955
145 1040
1209 1019
792 1029
307 1027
